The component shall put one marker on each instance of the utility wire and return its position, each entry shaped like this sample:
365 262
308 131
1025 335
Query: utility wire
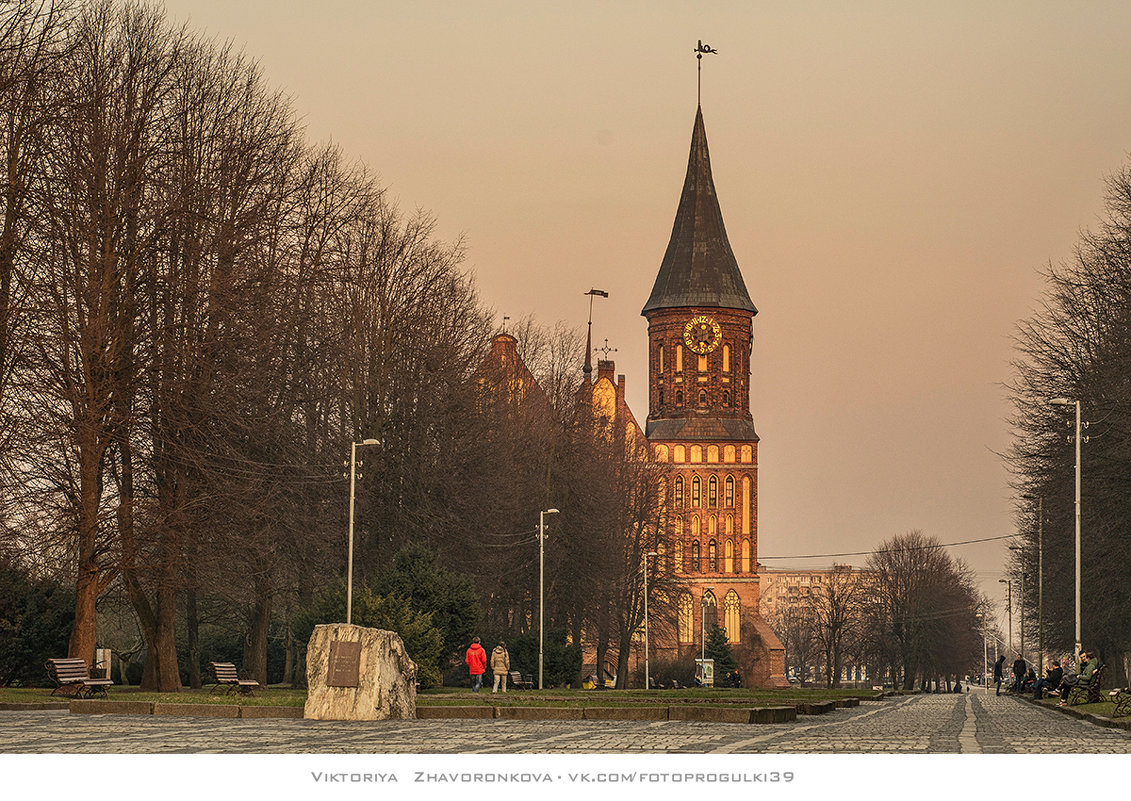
888 550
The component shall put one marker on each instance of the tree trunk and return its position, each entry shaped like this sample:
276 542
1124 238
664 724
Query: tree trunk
192 624
255 648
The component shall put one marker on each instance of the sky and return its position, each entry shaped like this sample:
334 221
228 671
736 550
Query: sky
893 177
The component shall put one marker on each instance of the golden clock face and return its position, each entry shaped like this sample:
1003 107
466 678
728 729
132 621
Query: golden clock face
701 334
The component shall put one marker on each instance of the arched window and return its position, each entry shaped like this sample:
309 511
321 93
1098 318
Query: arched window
746 556
679 358
686 616
679 526
726 358
679 454
726 397
728 454
661 397
703 364
679 397
679 492
678 557
695 525
732 608
713 491
728 492
661 453
710 611
696 454
712 525
702 397
730 524
660 356
695 496
712 557
747 453
728 557
694 556
712 454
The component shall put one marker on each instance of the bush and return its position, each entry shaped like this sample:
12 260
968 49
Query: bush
422 641
666 669
36 617
561 662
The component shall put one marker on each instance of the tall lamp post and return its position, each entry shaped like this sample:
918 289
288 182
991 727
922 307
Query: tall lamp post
1076 403
1009 607
541 581
1021 604
985 654
349 557
647 675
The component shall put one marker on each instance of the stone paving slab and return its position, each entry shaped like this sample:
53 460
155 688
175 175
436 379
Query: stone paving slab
916 724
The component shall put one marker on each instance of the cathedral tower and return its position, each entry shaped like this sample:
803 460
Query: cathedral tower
700 332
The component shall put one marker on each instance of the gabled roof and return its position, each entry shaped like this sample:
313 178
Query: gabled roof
699 268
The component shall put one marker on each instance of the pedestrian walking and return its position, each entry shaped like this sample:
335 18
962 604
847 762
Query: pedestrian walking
1019 668
500 665
999 672
476 660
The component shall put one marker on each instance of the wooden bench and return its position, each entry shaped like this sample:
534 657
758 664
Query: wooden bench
1121 697
519 682
226 677
72 677
1087 691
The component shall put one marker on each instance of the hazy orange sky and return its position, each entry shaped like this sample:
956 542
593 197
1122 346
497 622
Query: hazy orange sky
892 175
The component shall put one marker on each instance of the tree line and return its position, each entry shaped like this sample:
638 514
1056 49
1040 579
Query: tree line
200 311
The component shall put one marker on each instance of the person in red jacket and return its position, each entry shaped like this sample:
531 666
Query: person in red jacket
476 660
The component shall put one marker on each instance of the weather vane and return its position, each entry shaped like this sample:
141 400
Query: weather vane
699 51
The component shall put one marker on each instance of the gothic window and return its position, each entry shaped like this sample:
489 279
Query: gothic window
686 615
679 526
746 556
679 492
661 397
677 556
728 557
713 491
679 358
679 397
710 611
702 397
730 524
728 454
713 454
661 453
702 364
726 397
695 486
679 454
712 525
695 555
747 453
661 356
712 557
728 492
731 609
695 525
696 454
726 358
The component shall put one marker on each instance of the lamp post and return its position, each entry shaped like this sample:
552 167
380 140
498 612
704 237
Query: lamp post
1009 607
1021 605
349 557
985 654
703 625
1076 403
647 675
541 581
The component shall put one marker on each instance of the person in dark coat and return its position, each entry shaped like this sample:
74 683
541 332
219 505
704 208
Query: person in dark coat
1019 669
999 673
1051 680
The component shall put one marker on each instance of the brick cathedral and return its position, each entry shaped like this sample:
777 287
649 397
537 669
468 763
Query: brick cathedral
700 332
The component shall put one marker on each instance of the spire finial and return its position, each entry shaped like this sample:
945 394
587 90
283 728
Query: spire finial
588 368
699 51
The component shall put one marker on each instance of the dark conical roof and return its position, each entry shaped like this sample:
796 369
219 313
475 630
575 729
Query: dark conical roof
699 268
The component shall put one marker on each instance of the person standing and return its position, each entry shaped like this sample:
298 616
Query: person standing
999 671
1019 668
500 664
476 660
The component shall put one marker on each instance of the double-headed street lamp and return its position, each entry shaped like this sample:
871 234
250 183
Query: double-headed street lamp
541 581
1076 403
647 675
349 557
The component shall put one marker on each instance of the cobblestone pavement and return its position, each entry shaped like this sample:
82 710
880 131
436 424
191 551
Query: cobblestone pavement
918 724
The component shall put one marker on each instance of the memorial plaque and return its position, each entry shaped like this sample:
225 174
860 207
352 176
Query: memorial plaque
345 664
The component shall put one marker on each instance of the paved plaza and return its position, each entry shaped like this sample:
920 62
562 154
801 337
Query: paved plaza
918 724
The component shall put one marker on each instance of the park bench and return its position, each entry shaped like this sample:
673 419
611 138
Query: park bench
520 682
1121 697
72 677
226 677
1087 691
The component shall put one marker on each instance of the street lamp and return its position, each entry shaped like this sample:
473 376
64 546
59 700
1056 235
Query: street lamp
703 626
1076 403
349 557
647 675
1021 605
985 654
1009 606
541 581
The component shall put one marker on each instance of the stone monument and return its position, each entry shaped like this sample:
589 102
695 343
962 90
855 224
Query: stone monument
358 673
